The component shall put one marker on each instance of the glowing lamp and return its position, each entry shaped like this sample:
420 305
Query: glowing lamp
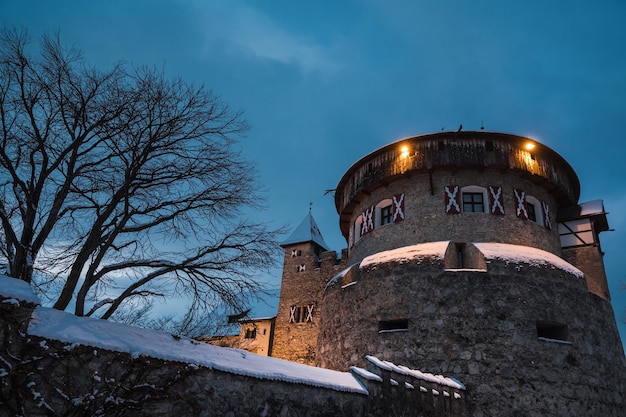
530 146
404 151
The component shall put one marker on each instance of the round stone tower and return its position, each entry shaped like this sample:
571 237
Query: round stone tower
458 245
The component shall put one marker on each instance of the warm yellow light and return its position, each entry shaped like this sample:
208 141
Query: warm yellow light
404 151
530 146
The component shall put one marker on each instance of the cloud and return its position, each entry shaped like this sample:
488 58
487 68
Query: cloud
252 32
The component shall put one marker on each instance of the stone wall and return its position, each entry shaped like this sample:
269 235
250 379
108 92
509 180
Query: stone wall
484 328
589 259
426 219
306 270
44 377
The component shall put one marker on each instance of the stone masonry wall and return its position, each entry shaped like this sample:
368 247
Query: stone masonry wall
589 260
302 288
482 328
43 377
426 219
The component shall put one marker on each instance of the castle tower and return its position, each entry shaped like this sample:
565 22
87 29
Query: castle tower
307 267
471 256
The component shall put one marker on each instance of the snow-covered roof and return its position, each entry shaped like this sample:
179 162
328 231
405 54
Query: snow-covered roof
12 288
307 231
259 306
265 307
590 208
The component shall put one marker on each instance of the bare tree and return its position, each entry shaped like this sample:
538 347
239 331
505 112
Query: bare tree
122 186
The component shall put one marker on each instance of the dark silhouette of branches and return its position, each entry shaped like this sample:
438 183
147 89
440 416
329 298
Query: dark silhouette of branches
122 185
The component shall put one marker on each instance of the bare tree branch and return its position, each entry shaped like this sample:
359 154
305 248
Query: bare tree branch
122 176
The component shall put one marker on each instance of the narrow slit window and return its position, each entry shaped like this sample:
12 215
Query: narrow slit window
390 326
552 332
386 214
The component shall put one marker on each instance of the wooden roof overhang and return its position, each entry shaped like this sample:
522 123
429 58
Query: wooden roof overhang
475 150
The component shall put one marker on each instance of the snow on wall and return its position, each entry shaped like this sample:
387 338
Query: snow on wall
12 288
408 253
525 254
339 276
403 370
65 327
501 251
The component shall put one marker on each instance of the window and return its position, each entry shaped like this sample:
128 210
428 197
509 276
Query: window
552 332
390 326
301 314
358 225
534 210
301 268
530 209
473 199
296 252
385 215
384 212
473 203
251 333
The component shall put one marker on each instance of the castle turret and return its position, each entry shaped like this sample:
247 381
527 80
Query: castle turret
471 256
308 265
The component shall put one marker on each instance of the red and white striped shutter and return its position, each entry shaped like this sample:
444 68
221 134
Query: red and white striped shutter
495 200
452 199
520 204
546 215
398 208
368 220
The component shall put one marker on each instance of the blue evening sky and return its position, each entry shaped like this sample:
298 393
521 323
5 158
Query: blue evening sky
323 83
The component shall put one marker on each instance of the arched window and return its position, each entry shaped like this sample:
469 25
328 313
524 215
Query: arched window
384 212
356 230
534 210
474 199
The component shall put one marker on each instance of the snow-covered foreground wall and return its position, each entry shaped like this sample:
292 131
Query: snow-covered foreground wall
53 363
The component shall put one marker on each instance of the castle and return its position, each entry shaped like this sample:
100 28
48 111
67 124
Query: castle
468 255
472 285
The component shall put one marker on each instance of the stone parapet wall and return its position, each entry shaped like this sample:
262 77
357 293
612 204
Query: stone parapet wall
44 377
483 327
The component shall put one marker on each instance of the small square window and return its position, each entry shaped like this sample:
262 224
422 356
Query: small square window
473 203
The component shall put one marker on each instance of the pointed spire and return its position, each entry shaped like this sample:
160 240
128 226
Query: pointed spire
307 231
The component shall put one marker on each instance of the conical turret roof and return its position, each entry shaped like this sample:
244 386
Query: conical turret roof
307 231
